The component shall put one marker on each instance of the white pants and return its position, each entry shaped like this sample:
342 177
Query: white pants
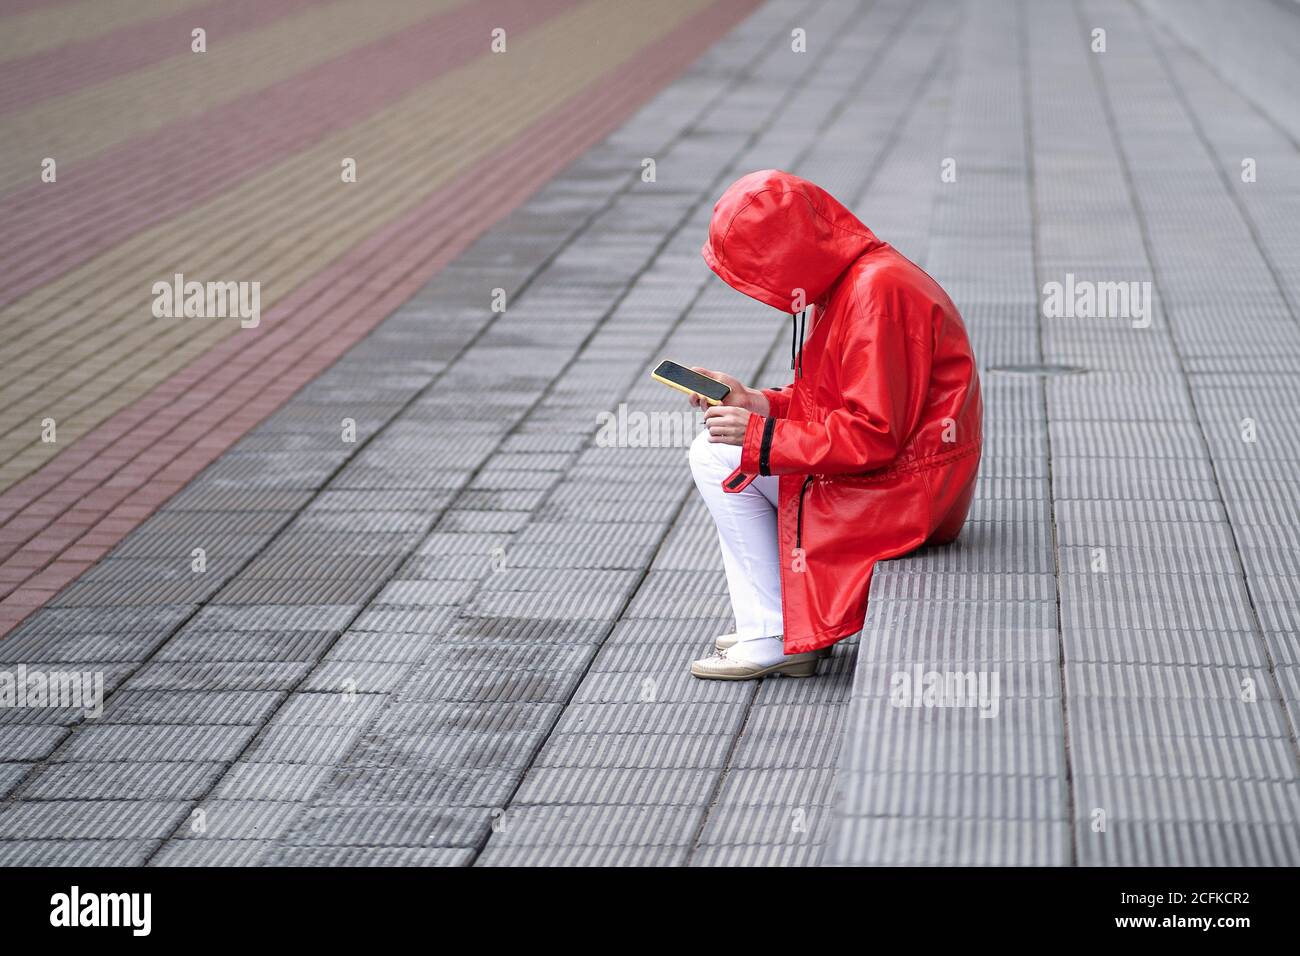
746 523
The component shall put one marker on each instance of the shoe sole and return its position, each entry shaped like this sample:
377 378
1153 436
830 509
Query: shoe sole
800 669
719 647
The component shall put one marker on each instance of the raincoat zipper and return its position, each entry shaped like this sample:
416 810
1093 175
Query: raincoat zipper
798 532
798 329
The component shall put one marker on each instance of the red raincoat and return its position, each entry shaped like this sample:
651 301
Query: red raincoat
877 441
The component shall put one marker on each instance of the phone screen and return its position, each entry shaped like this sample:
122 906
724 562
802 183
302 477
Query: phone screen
692 381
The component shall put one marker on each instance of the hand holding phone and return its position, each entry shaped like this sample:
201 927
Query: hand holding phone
687 380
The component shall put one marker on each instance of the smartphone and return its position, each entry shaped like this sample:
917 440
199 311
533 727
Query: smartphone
684 380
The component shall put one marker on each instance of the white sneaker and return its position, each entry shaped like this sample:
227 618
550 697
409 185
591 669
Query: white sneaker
725 666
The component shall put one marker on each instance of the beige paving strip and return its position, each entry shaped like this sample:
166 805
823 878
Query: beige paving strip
113 352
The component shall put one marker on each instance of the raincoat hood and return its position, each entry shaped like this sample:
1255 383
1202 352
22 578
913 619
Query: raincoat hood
773 234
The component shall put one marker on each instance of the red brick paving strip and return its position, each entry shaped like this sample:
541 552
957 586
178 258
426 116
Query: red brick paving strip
82 503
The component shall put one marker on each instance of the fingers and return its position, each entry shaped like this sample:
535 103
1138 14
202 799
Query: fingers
725 424
738 396
723 377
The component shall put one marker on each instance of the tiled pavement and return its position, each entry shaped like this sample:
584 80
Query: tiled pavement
462 638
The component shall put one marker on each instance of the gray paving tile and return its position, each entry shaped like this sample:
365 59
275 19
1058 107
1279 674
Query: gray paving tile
123 781
373 856
76 852
214 853
918 841
90 820
11 774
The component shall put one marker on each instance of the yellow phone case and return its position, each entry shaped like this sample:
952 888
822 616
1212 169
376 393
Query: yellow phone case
683 388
